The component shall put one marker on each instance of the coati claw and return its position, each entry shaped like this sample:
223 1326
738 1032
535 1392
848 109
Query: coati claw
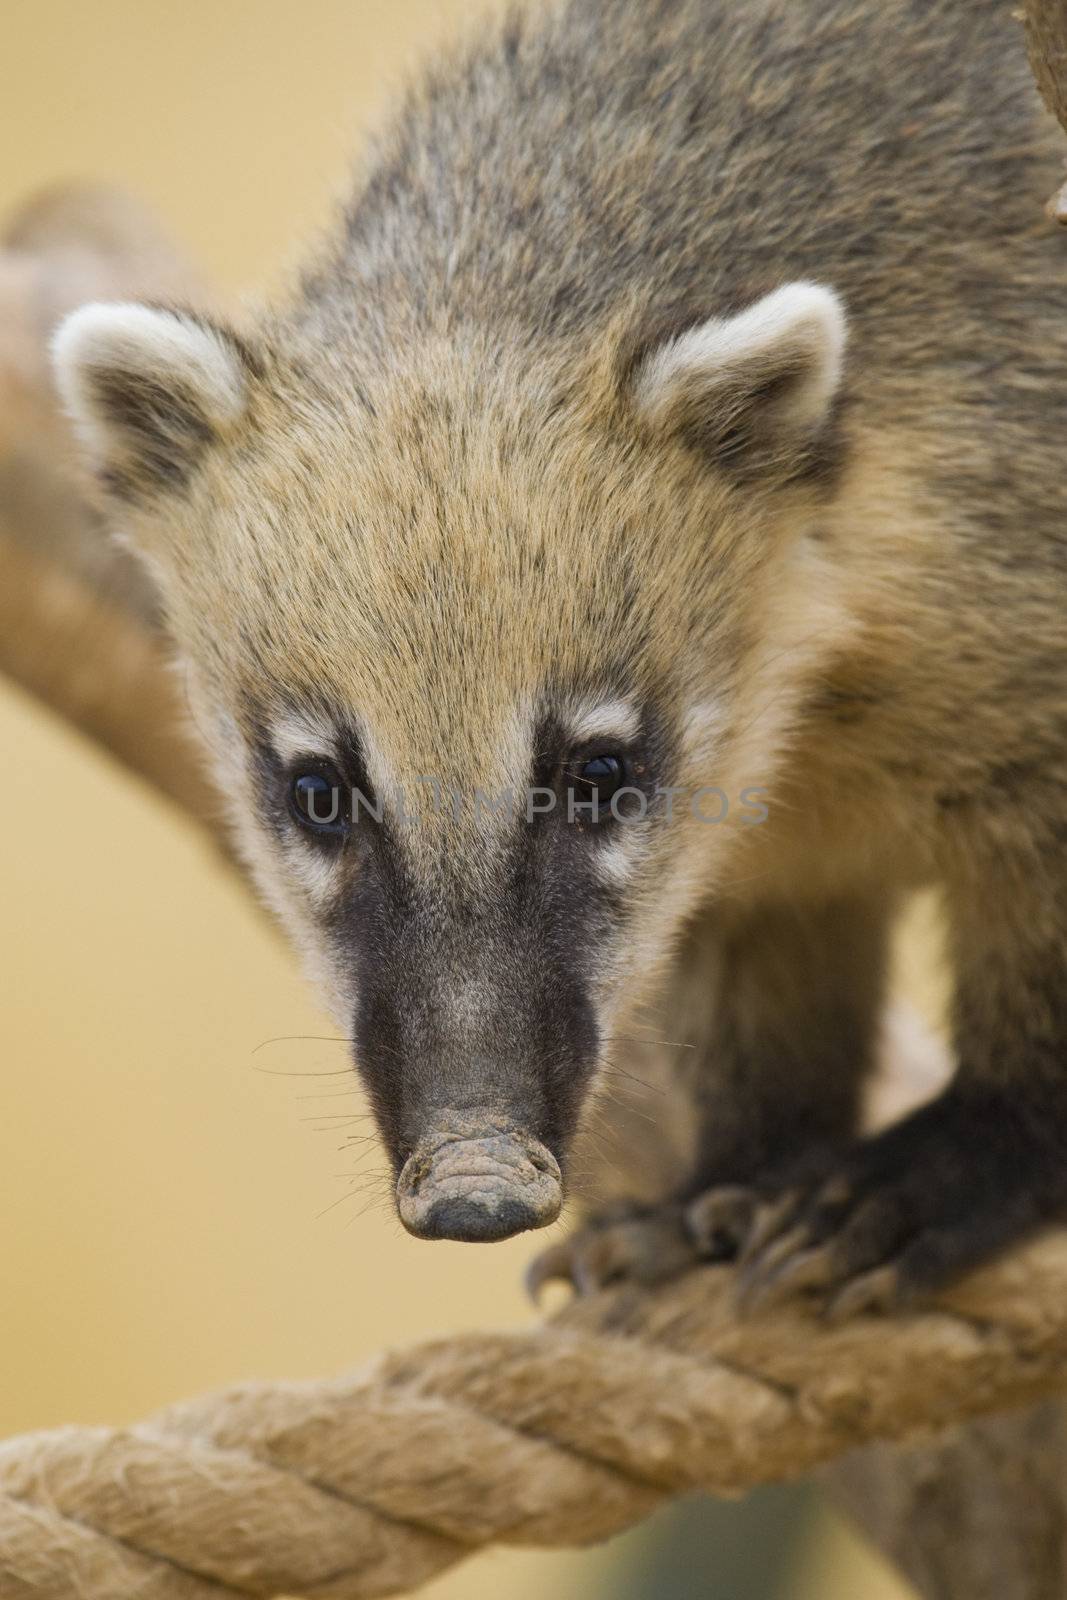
553 1265
878 1290
720 1221
768 1218
635 1245
797 1271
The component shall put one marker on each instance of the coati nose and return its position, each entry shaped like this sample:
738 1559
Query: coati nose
475 1222
478 1180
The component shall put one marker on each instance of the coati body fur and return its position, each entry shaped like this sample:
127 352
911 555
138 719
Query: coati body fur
677 403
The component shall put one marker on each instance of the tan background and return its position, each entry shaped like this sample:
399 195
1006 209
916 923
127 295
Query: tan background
172 1167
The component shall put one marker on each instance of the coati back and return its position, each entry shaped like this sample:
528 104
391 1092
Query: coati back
633 555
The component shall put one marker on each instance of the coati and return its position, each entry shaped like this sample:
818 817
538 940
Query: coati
676 404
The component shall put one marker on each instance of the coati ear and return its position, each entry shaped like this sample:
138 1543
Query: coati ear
755 390
148 390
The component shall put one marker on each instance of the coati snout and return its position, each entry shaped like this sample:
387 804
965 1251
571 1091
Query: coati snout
474 1043
475 1177
475 964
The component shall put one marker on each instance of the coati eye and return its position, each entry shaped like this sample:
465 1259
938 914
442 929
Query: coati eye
602 777
316 800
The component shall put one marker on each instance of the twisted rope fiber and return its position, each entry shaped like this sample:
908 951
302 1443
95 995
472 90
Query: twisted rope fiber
371 1484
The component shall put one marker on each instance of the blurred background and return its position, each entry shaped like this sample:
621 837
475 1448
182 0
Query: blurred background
176 1177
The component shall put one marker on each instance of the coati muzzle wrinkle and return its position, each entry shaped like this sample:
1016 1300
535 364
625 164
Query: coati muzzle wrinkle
478 1179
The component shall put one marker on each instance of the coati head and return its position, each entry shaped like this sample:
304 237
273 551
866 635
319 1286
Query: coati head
488 637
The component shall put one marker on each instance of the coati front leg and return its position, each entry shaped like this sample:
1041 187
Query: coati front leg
780 1006
985 1164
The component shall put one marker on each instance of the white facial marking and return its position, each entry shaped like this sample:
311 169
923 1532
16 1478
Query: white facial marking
703 726
605 719
382 777
304 734
313 736
316 872
614 863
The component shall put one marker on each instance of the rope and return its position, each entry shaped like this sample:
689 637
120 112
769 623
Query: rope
371 1484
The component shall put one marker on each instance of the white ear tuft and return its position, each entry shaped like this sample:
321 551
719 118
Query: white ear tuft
762 381
147 389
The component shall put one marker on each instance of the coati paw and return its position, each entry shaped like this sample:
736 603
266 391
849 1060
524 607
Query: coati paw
646 1244
902 1214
